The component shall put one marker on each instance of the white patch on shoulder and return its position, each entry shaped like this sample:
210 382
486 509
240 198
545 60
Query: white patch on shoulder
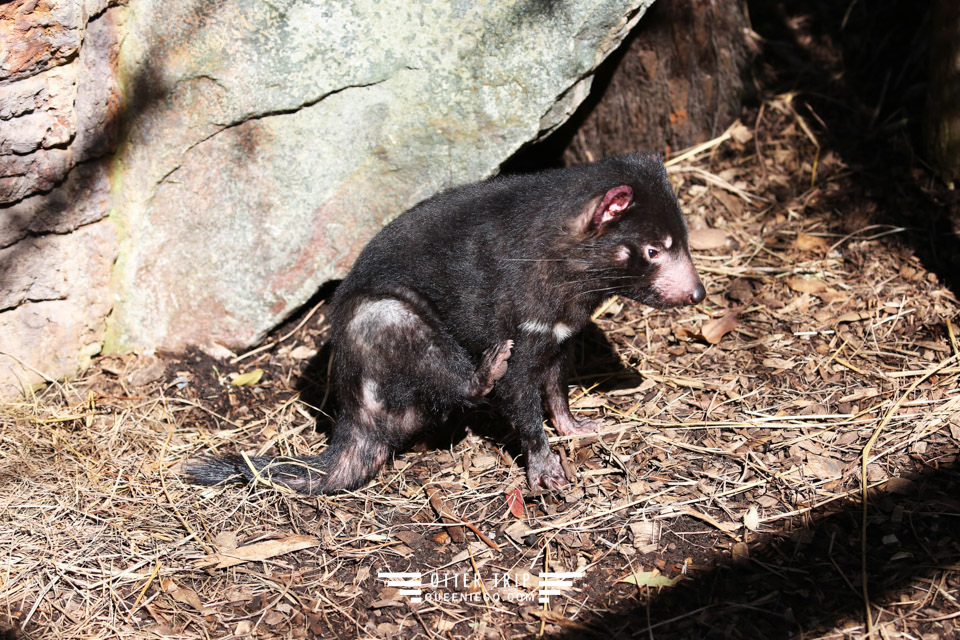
535 326
383 312
561 332
372 317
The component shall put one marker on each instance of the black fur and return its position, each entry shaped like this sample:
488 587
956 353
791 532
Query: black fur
477 289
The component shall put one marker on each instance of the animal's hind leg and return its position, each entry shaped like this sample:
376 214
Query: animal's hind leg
395 356
351 460
396 371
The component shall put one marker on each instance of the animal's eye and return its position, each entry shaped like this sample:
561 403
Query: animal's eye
652 253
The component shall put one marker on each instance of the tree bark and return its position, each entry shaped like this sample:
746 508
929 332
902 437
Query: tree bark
678 80
942 121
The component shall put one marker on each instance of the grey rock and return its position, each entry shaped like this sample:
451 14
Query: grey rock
254 172
262 145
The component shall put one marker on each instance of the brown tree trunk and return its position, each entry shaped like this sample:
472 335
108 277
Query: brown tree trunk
942 121
677 81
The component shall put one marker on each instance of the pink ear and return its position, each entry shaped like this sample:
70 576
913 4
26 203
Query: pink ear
612 205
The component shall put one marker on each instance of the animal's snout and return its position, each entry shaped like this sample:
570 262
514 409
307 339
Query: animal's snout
698 294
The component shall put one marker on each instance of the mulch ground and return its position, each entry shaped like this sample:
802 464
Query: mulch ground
780 461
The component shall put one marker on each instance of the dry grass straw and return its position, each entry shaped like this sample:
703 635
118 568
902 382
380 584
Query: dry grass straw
796 412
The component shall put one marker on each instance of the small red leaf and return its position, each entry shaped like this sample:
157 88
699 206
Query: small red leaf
515 502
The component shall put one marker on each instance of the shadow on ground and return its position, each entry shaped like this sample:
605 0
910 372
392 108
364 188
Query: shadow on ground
809 581
857 74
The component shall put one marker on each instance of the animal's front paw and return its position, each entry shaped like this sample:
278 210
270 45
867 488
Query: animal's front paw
545 472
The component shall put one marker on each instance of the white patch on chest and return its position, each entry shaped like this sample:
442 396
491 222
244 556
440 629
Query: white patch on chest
535 326
559 331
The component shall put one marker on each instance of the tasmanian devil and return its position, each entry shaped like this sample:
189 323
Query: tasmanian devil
474 293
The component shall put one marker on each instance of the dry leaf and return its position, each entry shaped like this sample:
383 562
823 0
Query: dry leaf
810 243
444 625
258 551
248 379
707 239
832 295
439 506
646 535
588 402
714 330
722 526
515 502
645 531
225 540
557 618
185 595
860 394
518 531
955 431
389 599
898 485
648 579
524 579
806 285
732 204
273 618
739 132
740 290
751 519
237 593
410 538
303 352
822 467
484 462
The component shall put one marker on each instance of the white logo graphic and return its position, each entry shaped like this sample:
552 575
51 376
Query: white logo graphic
553 583
409 584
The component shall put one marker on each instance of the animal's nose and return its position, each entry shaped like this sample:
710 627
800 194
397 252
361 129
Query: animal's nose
698 294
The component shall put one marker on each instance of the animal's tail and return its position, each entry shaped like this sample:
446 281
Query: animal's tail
348 463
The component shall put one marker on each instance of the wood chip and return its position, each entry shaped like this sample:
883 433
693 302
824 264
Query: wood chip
708 239
806 242
806 285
